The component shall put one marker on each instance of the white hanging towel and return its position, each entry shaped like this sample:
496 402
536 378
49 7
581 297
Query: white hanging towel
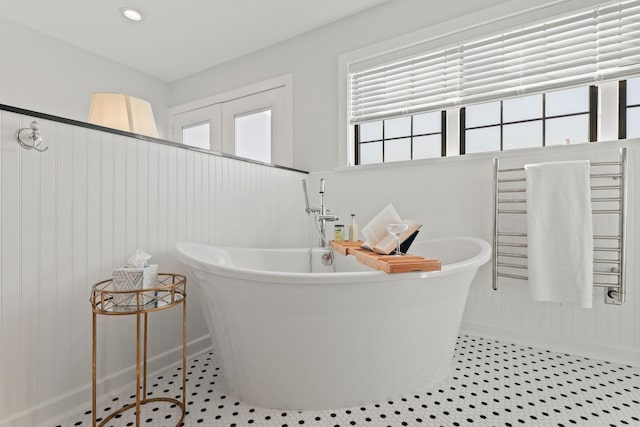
560 232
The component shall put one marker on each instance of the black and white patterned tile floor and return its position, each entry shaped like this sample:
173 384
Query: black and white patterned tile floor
493 384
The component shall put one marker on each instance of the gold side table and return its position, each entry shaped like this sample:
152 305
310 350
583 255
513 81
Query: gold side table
170 290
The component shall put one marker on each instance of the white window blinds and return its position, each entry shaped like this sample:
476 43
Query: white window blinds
598 45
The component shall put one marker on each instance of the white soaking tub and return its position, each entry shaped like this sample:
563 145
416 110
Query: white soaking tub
289 338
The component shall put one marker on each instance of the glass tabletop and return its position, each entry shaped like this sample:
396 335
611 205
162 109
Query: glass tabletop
108 298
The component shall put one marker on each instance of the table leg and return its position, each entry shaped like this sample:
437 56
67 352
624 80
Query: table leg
144 377
93 373
184 352
138 369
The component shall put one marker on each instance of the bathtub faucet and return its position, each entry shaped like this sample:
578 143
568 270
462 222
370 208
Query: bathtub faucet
325 215
322 213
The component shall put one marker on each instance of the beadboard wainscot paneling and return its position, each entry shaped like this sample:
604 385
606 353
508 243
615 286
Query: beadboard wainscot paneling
72 214
454 196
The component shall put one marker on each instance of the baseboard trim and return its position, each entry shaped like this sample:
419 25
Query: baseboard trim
616 354
56 410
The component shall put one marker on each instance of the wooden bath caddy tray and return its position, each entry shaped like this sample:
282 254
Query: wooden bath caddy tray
386 263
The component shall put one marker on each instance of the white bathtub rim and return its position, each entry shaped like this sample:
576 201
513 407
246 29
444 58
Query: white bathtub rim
181 248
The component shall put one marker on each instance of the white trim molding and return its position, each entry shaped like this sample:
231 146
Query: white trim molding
212 109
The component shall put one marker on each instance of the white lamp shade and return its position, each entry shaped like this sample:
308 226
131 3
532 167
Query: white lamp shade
123 112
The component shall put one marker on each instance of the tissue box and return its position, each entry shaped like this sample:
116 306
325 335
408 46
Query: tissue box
133 279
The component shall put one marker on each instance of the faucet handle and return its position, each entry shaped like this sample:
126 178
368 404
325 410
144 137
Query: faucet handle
328 216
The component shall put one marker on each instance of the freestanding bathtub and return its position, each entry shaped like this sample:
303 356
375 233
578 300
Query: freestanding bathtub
293 334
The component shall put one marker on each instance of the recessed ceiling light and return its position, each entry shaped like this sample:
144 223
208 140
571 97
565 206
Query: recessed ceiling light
131 14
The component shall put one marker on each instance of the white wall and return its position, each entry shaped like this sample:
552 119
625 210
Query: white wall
51 76
72 214
43 74
312 58
454 196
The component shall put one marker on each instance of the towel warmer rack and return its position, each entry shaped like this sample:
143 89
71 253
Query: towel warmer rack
608 181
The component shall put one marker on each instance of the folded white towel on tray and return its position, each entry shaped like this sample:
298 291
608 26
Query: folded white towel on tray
560 232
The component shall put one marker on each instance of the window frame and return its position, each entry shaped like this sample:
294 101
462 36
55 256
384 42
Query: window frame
623 107
411 136
271 131
592 113
206 114
192 112
273 100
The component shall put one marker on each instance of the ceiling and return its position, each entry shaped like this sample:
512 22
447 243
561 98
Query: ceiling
177 38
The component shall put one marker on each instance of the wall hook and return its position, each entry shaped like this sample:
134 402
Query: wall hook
29 138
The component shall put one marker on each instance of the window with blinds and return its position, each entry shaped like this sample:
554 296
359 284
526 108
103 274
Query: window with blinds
578 50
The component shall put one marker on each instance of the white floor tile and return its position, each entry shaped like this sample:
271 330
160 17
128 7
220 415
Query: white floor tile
493 384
